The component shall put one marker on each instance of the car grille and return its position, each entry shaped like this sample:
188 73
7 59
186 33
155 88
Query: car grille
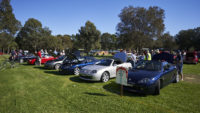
87 77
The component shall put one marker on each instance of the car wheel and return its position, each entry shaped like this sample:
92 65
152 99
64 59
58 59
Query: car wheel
157 88
57 66
105 77
76 71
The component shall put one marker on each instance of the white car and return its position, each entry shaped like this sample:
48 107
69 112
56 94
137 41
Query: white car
105 69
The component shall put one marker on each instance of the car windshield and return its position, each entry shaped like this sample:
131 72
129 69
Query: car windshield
72 59
149 65
105 62
60 58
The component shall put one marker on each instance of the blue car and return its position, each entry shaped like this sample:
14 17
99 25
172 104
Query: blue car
74 64
150 76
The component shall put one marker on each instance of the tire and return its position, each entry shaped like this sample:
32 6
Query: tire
76 71
57 66
157 88
105 77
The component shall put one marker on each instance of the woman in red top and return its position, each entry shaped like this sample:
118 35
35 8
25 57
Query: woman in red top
39 57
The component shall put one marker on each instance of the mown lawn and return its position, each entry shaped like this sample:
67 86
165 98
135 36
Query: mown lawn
191 69
33 89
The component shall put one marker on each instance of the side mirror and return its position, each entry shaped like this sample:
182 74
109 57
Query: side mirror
114 64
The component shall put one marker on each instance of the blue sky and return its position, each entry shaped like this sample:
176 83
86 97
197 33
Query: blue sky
67 16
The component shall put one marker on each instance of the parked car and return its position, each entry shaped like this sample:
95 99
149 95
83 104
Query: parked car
191 57
55 64
44 59
149 76
73 64
1 53
25 58
105 69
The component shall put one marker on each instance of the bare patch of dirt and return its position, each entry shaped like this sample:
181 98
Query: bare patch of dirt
192 78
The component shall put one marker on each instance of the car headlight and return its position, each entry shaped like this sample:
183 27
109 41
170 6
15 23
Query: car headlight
144 81
94 71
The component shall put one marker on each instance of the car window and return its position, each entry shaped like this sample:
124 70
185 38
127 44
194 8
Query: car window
149 65
60 58
106 62
117 62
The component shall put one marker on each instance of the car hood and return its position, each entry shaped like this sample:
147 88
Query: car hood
94 67
136 75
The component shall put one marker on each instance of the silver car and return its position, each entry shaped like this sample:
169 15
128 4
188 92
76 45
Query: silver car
104 70
55 64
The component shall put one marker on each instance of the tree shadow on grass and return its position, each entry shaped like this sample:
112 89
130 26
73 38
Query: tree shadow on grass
77 79
95 94
41 67
116 88
26 64
55 73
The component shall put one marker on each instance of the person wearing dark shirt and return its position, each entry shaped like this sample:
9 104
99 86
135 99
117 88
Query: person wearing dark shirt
179 64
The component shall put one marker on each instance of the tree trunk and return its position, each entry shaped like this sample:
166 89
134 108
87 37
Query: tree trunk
8 50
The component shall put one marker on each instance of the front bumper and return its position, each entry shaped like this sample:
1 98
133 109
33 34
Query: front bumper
89 77
140 89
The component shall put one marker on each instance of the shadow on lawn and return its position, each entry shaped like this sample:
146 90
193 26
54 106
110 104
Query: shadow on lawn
115 88
54 73
95 94
25 64
40 67
77 79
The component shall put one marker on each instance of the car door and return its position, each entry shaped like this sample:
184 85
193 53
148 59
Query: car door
167 74
112 69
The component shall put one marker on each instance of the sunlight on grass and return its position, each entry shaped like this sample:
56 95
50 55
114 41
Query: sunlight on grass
30 88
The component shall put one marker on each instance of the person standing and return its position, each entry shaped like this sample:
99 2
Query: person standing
179 64
39 56
133 58
147 55
13 55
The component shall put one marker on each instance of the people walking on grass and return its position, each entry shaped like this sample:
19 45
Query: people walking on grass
13 55
179 64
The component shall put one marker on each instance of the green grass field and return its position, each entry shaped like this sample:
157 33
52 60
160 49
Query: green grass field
33 89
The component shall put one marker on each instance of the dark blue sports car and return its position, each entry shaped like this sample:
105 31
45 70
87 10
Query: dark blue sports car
149 76
74 64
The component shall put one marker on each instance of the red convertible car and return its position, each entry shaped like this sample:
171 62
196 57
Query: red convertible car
44 59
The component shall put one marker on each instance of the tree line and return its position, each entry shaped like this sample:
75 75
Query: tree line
138 28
